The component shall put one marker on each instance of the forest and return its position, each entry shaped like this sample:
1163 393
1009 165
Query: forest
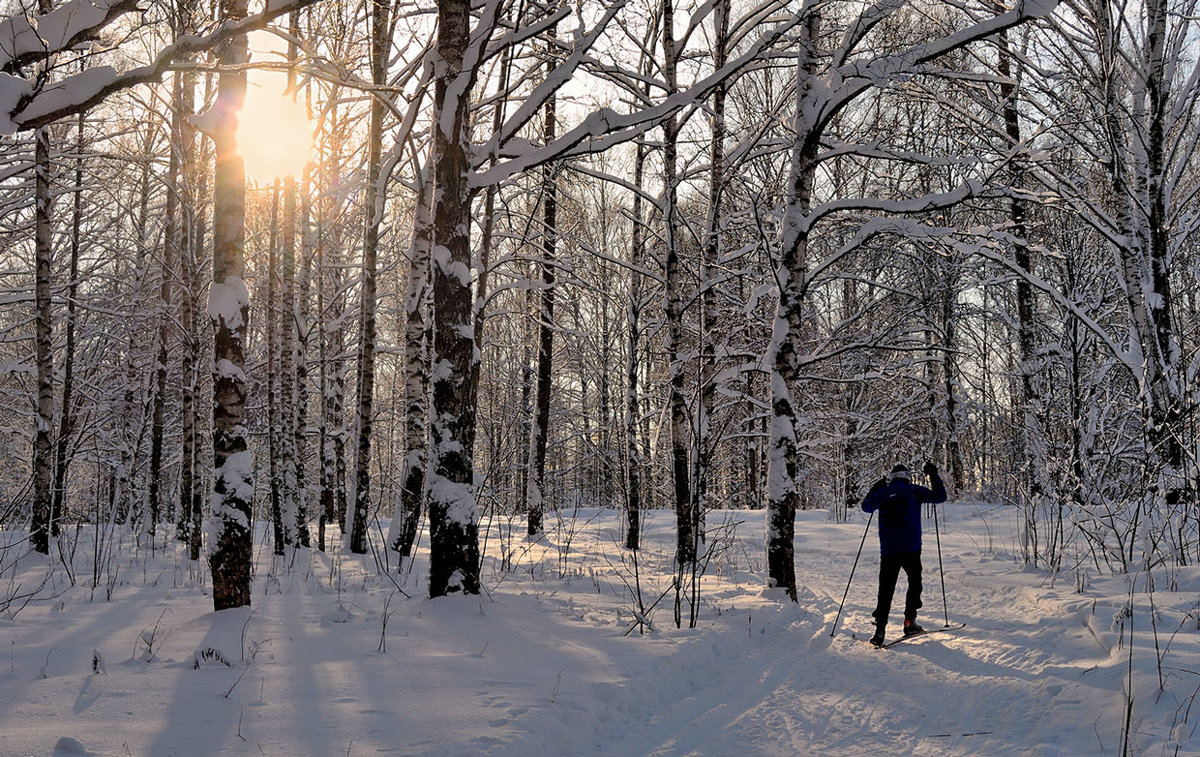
463 261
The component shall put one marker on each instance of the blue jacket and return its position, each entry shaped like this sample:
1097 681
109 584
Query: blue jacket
899 506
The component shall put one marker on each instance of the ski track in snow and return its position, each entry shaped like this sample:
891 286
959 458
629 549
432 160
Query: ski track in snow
540 664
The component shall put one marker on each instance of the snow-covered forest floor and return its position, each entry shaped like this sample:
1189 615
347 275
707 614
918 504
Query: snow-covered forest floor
335 659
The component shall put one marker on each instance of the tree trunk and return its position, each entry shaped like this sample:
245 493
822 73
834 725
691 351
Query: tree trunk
194 504
1166 390
229 306
535 494
637 257
380 45
327 463
416 376
166 316
328 299
275 434
1144 258
950 386
1033 452
705 444
183 177
783 494
685 518
43 454
291 342
454 540
290 388
66 417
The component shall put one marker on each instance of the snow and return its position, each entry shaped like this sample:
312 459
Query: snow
457 498
22 36
334 659
66 93
12 90
226 301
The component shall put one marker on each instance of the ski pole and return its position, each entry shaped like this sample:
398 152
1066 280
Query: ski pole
938 532
852 568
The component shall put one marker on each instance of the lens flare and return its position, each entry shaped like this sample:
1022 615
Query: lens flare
274 136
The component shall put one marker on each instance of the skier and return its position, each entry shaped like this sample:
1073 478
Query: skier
898 501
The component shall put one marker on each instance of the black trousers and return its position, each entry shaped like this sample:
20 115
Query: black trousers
889 571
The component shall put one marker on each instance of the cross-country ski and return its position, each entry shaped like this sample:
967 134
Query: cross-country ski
925 632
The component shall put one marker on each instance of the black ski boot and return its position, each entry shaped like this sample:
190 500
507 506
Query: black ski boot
877 639
911 628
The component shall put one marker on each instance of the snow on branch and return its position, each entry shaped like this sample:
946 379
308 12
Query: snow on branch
28 39
845 82
562 74
605 127
926 203
25 106
525 33
991 244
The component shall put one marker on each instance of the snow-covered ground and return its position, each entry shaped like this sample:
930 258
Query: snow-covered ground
339 658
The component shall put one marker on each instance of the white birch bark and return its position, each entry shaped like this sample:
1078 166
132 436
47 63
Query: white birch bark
229 307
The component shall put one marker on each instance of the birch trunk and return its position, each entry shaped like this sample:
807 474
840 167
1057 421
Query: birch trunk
288 408
43 453
166 316
274 432
66 416
416 377
535 493
1140 181
1033 449
705 444
332 496
191 495
380 45
454 540
685 516
229 307
637 256
783 496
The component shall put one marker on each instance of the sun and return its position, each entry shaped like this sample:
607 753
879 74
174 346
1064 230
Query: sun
274 135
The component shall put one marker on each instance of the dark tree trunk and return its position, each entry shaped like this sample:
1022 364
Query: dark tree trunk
637 256
43 453
539 430
66 417
193 492
705 443
454 540
380 45
685 516
275 452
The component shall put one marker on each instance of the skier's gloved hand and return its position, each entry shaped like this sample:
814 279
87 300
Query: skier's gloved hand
929 469
879 484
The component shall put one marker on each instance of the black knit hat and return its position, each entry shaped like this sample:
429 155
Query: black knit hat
900 470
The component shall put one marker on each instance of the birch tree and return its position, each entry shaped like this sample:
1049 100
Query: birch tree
827 81
540 422
43 457
229 306
374 202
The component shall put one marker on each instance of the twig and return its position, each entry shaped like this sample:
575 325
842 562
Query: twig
557 683
953 735
244 627
629 630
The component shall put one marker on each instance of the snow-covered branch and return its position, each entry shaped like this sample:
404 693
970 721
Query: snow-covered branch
605 127
24 105
29 39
